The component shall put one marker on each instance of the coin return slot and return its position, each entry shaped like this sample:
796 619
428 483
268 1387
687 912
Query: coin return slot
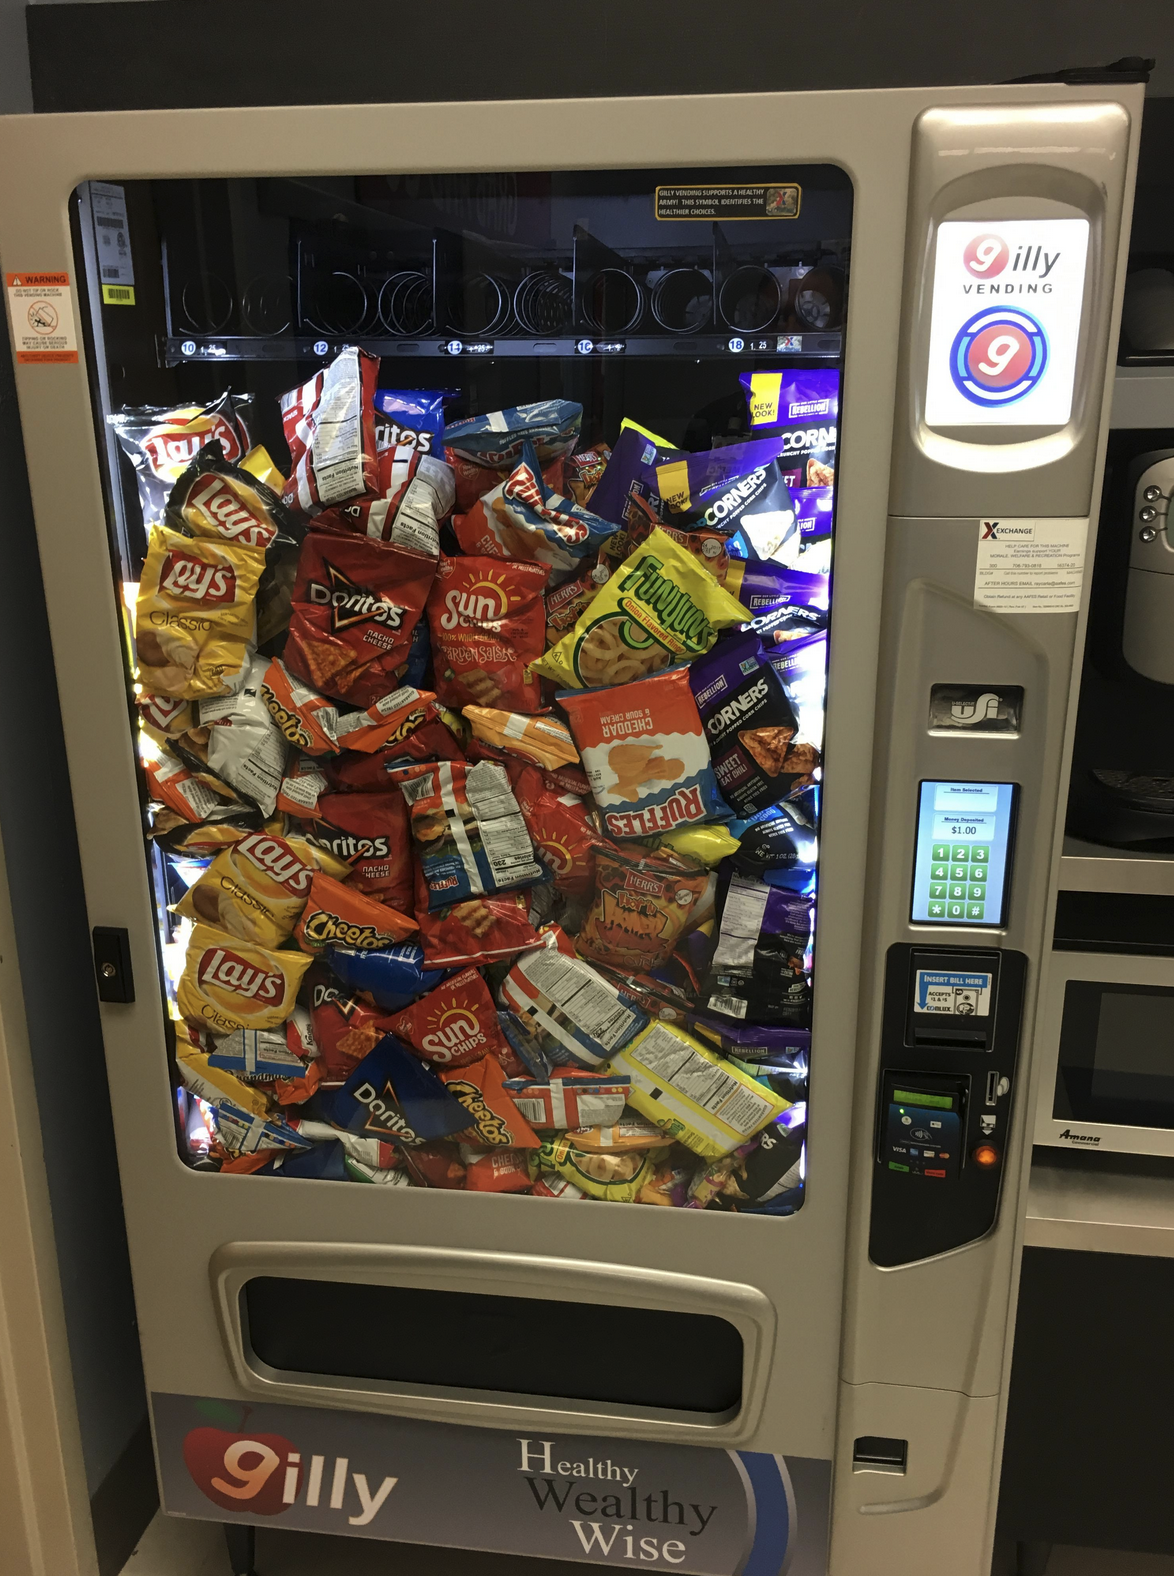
992 1088
871 1453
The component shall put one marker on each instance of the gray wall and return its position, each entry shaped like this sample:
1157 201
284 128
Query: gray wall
53 941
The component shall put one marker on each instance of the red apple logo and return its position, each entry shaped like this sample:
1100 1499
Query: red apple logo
258 1473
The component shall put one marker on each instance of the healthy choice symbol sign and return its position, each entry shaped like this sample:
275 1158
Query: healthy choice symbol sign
1006 322
611 1501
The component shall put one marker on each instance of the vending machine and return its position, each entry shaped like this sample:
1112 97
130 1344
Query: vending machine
564 616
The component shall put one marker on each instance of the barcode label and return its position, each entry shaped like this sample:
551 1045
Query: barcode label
732 1006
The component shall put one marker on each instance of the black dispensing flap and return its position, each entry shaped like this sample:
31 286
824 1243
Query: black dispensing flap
647 1357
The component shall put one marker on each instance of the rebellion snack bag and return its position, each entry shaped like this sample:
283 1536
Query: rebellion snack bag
496 1122
750 725
355 604
801 410
659 607
468 832
692 1094
162 443
561 1005
543 741
618 1178
584 469
757 510
370 832
488 622
781 838
393 1096
762 585
645 753
802 667
647 480
338 916
224 502
476 931
561 829
232 984
645 900
760 966
453 1025
256 889
497 440
329 426
524 518
246 749
195 614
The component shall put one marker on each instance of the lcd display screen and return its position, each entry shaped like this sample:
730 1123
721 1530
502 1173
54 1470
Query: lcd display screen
963 859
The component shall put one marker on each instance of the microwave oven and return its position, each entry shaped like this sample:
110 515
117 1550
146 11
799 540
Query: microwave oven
1106 1049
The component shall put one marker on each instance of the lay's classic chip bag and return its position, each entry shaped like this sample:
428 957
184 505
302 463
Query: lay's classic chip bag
256 889
659 607
231 984
195 614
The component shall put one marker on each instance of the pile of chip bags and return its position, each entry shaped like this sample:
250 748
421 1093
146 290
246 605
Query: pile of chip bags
483 767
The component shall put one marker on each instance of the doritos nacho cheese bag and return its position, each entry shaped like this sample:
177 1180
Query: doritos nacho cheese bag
661 606
231 984
195 614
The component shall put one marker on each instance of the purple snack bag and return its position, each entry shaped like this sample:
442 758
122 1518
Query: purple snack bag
802 408
671 483
759 972
763 584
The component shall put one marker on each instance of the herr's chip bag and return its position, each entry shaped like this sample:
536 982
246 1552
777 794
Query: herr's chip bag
801 409
337 916
329 426
488 622
692 1094
469 834
750 725
644 902
232 984
645 753
759 970
453 1025
659 607
370 832
224 502
255 889
355 604
584 469
568 1012
162 443
524 518
195 614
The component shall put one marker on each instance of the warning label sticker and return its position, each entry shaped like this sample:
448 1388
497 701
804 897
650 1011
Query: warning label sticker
41 309
1030 566
961 994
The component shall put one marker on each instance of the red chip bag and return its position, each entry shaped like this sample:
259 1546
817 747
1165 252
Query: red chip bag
453 1025
434 1165
559 779
338 916
355 604
488 624
345 1028
476 931
497 1123
431 741
415 496
314 724
370 831
473 481
497 1171
561 829
329 426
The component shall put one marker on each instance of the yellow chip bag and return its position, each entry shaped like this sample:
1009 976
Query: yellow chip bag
618 1177
544 741
711 844
194 614
660 606
692 1093
217 1083
232 984
256 889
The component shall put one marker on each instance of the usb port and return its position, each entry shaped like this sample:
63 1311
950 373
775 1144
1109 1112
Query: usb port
992 1088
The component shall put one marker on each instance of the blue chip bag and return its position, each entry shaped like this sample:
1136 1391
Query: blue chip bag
496 440
324 1163
392 978
415 416
394 1096
523 517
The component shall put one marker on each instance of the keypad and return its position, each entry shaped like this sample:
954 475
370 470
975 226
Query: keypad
957 881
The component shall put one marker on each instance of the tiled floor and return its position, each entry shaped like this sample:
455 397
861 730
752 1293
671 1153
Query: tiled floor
171 1547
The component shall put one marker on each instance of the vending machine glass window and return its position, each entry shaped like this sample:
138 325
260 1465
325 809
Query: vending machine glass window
475 539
